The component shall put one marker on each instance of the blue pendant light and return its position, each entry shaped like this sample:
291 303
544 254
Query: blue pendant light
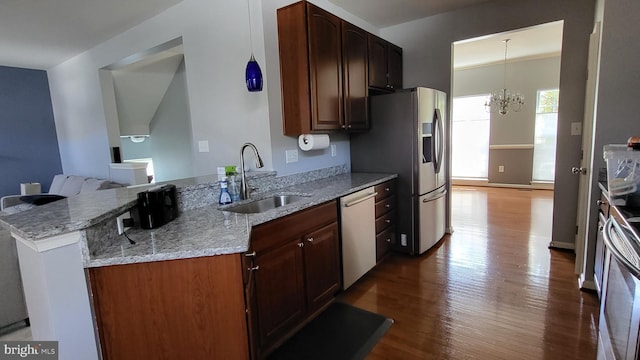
253 74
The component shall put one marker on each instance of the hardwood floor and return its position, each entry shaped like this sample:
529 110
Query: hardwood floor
492 290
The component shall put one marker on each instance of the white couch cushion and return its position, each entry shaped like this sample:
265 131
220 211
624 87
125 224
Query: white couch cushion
92 184
72 185
56 184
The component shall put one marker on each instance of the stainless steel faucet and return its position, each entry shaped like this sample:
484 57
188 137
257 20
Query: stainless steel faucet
244 193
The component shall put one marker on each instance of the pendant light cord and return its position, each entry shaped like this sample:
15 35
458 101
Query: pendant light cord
250 30
504 76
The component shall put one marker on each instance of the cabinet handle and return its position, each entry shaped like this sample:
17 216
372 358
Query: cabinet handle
349 126
301 244
254 268
251 254
344 126
388 240
600 202
387 189
310 239
387 205
388 221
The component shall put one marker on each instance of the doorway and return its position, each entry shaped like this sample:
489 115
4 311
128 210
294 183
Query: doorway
517 148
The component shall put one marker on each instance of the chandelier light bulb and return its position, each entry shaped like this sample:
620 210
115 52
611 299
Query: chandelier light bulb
504 100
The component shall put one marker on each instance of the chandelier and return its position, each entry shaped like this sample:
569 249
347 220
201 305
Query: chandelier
504 100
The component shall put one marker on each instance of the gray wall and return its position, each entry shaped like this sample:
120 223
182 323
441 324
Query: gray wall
617 105
514 128
426 47
28 142
171 145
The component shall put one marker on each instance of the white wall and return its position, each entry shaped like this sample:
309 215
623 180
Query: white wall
216 48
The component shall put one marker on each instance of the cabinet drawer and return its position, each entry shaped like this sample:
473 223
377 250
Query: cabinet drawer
384 240
385 205
385 221
384 190
276 232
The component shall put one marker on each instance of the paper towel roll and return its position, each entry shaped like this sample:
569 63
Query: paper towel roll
308 142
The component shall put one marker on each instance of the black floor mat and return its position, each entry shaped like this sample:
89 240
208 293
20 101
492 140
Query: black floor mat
341 332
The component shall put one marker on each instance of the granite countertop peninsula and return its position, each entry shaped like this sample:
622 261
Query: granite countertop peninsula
203 231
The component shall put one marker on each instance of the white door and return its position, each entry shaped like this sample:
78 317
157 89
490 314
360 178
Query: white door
587 151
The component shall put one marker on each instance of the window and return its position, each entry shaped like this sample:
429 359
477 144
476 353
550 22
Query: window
470 137
544 148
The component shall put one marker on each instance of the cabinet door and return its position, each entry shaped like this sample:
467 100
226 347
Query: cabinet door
377 62
394 67
325 69
354 64
322 265
171 309
279 291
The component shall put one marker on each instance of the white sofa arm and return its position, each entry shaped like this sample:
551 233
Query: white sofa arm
10 200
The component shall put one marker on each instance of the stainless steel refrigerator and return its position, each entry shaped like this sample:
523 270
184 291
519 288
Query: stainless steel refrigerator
407 137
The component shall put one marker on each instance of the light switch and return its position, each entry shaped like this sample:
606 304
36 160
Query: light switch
576 128
203 146
291 156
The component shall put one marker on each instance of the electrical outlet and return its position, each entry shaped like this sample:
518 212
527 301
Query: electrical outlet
120 222
333 150
291 156
501 168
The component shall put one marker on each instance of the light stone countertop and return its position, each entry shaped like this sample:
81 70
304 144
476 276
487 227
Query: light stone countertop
204 231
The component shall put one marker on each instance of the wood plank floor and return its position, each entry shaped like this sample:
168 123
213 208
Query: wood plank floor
492 290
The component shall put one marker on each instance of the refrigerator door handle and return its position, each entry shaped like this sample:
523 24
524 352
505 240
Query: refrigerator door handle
439 139
435 196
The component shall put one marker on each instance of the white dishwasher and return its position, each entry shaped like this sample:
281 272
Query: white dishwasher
358 228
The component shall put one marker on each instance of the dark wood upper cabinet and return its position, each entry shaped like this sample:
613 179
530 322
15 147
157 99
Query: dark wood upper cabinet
385 64
394 66
377 62
310 46
327 67
355 67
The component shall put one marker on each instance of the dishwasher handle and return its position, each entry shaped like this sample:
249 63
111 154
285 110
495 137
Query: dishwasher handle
357 201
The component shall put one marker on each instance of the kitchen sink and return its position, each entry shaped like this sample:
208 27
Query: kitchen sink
258 206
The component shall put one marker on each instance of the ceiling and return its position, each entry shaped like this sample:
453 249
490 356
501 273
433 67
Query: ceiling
40 34
383 13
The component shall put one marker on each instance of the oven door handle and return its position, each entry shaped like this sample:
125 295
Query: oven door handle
619 247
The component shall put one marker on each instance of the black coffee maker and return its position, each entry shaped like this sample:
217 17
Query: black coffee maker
157 206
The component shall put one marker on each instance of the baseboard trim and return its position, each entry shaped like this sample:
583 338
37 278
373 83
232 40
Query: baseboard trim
584 284
562 245
485 182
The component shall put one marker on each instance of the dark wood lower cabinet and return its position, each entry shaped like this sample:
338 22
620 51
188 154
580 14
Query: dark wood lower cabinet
294 271
280 291
177 309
